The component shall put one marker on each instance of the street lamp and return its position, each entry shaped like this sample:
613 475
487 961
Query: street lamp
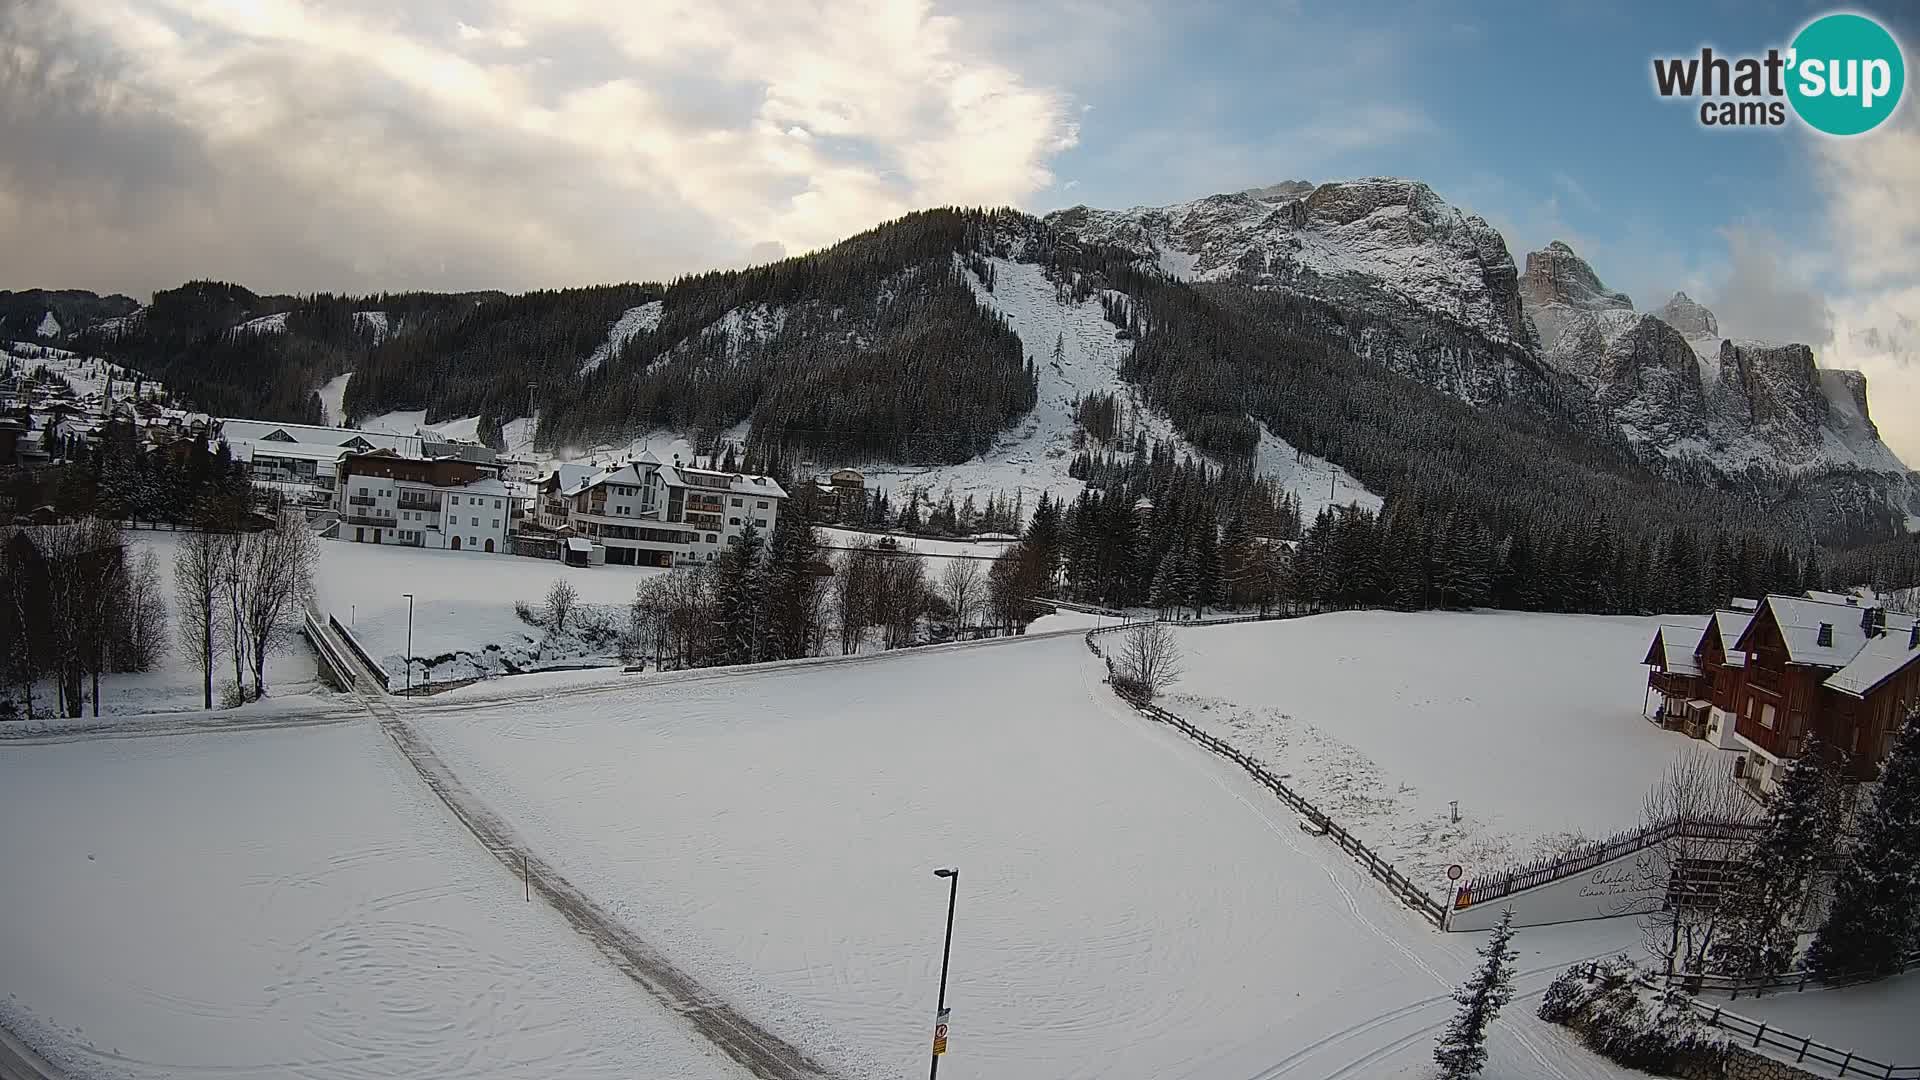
409 597
952 874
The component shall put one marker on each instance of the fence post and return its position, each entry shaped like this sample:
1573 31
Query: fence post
1848 1060
1804 1043
1759 1033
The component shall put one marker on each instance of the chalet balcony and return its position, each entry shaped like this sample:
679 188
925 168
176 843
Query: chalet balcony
369 519
1769 679
1673 684
415 503
362 500
1773 740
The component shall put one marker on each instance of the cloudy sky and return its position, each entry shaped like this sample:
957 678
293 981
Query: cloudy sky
362 145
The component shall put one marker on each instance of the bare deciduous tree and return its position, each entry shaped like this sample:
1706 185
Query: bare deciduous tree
197 572
278 565
561 600
1687 868
1149 660
143 623
963 583
853 594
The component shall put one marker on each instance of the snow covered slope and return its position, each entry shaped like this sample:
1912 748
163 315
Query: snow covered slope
1129 907
290 903
1076 353
333 396
634 320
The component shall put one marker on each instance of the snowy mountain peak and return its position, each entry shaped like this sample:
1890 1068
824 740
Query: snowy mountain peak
1557 274
1686 315
1387 245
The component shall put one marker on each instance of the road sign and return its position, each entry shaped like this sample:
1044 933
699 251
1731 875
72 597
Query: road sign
1454 872
940 1033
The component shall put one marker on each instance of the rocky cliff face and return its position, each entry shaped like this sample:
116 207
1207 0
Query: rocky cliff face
1439 281
1680 392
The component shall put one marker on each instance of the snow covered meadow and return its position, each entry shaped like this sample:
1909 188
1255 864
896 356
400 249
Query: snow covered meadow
289 903
1128 907
1532 722
463 602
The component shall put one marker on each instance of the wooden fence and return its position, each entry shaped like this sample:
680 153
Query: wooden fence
1488 887
1758 1035
360 653
1797 980
1380 869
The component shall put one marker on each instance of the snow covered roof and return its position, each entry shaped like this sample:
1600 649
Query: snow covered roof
1679 643
1800 620
1741 603
1849 599
1730 625
1883 657
488 486
299 451
567 477
579 543
1673 648
738 483
240 433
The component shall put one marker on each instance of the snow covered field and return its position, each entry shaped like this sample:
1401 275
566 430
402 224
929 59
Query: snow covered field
463 601
1128 907
290 904
1382 718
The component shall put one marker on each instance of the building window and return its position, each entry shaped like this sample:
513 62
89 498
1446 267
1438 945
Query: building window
762 504
496 523
454 499
1766 717
760 523
496 504
712 539
733 521
736 502
476 521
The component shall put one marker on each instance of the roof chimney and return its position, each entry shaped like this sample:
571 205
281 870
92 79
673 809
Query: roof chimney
1873 622
1825 638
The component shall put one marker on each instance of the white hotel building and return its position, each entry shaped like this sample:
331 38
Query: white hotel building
648 513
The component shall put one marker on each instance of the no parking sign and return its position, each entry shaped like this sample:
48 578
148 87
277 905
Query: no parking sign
940 1033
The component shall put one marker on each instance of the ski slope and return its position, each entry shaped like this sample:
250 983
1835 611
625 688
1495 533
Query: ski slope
1532 722
290 903
1128 907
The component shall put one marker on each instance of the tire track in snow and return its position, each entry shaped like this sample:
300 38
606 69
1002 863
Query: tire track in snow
756 1049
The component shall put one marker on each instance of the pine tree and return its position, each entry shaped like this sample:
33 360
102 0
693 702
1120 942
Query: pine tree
1763 902
1874 921
791 588
1462 1051
737 606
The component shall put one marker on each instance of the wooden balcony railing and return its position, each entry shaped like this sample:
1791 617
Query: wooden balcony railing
1768 679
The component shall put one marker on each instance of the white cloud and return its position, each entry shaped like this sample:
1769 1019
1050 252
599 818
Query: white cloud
514 144
1874 240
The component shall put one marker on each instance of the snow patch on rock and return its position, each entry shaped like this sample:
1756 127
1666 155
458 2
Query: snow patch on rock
265 324
333 396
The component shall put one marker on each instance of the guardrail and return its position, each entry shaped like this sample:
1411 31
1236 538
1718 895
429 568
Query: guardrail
366 661
1489 887
1380 869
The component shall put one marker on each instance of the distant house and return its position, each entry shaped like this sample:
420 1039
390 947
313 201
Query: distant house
849 487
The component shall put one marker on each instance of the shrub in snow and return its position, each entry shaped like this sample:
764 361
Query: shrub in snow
1626 1021
526 613
561 600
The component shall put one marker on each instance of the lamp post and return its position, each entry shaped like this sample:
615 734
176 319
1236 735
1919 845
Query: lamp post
409 597
952 874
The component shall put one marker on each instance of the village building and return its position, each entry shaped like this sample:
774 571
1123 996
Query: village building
386 498
649 513
1764 683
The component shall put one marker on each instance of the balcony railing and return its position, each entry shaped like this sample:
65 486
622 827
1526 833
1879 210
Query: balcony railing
432 505
369 519
1768 679
362 500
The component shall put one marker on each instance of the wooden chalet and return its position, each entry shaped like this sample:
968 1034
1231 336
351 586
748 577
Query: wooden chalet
1843 670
